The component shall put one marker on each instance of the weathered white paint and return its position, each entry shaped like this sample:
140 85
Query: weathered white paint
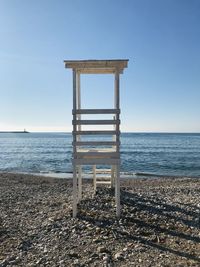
105 156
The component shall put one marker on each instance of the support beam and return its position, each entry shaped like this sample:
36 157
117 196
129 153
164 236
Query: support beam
94 179
78 104
117 191
112 176
79 182
86 155
117 105
96 143
96 111
117 168
74 149
95 122
97 132
74 107
74 191
97 161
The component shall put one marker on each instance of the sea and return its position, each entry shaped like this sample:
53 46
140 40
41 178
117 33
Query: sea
142 154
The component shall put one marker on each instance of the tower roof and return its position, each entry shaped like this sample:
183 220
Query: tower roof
97 66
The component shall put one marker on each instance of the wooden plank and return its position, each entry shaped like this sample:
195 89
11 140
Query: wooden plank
96 132
117 90
79 183
117 103
96 111
112 176
74 107
103 182
96 161
96 155
95 122
74 191
102 171
102 64
74 89
94 178
78 92
103 178
108 70
95 143
95 149
117 192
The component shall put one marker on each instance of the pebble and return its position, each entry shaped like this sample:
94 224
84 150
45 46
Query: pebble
119 256
102 249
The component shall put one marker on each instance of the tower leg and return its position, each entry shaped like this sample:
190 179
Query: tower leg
74 191
94 179
79 182
112 176
117 191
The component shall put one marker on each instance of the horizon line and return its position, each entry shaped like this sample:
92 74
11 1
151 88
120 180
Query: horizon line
183 132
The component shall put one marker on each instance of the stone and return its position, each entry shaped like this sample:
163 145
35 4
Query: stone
119 256
102 249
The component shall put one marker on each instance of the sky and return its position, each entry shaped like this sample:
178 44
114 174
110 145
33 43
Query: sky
159 91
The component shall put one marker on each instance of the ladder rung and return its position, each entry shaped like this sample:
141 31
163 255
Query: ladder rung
95 111
96 132
96 161
103 178
103 171
95 143
103 182
95 122
96 155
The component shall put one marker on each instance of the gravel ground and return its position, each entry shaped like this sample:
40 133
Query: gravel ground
159 226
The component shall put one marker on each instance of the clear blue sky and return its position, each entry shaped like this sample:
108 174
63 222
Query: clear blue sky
160 90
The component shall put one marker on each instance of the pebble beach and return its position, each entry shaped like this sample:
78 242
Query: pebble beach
159 224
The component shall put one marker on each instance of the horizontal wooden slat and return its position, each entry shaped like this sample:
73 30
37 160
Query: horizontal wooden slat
98 70
103 178
103 149
96 155
96 161
103 182
96 64
92 132
95 122
102 171
96 111
95 143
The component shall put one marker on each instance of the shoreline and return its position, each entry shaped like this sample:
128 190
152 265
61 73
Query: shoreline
159 224
88 175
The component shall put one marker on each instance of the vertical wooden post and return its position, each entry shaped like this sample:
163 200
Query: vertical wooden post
112 176
114 147
94 178
117 106
78 97
74 147
74 191
117 191
79 182
117 170
78 91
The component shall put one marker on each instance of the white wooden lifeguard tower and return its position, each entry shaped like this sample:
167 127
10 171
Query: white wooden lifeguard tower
102 152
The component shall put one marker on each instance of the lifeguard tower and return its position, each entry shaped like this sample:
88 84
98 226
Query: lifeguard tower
96 153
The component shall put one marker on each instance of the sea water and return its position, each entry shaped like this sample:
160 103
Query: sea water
171 154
